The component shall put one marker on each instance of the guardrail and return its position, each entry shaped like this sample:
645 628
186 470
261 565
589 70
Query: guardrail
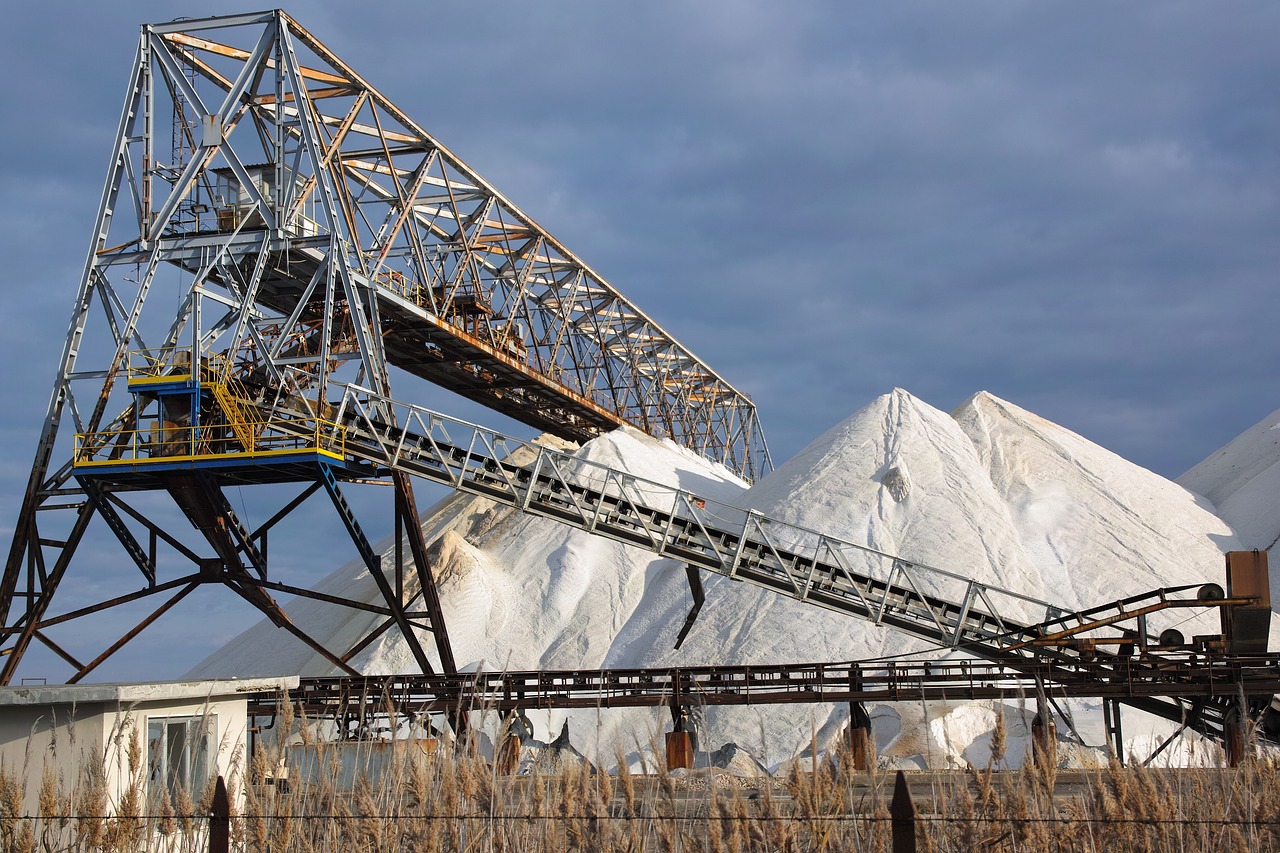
170 363
740 543
866 681
172 443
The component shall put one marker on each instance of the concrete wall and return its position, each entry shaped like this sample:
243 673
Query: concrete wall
63 738
67 738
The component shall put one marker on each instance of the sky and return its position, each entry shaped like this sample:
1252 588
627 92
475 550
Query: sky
1072 205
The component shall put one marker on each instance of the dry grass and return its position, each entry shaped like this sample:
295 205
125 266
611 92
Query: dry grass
454 800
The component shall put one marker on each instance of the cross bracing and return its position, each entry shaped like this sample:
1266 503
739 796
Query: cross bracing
257 270
305 177
1199 682
275 229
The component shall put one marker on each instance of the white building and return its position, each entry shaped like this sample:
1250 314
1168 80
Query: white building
149 738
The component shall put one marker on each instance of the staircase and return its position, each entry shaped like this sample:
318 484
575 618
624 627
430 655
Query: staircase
240 413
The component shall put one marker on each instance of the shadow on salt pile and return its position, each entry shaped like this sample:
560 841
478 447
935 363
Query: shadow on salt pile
524 755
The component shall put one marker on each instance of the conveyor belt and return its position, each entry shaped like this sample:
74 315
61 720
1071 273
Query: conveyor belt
943 607
1199 682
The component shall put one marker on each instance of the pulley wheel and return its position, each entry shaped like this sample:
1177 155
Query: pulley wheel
1210 592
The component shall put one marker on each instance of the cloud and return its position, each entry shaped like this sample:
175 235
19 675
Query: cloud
1073 205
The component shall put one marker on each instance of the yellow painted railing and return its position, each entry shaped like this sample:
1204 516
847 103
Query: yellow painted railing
238 410
172 443
170 364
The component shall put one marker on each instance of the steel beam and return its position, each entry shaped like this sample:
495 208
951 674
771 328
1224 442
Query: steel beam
808 683
373 562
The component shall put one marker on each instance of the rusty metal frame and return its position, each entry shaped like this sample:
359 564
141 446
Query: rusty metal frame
320 237
227 569
1212 686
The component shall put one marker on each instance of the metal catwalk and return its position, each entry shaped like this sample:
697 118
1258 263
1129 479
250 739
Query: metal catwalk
272 230
252 283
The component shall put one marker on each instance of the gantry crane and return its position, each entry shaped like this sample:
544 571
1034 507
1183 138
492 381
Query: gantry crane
317 237
320 239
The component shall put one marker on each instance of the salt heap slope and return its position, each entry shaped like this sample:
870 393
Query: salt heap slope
1242 481
1096 525
518 592
993 493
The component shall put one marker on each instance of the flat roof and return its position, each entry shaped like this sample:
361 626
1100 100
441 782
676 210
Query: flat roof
128 693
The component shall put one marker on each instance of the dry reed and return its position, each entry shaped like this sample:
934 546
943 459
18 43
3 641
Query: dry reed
449 797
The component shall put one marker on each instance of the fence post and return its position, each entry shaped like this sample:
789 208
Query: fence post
220 820
902 811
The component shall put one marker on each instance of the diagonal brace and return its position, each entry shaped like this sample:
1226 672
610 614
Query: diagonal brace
695 589
374 564
98 495
407 518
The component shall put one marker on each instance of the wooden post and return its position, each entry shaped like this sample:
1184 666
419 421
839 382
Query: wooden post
902 811
220 820
1233 735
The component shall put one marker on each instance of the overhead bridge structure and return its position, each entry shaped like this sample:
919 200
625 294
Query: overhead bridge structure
271 230
1020 634
296 246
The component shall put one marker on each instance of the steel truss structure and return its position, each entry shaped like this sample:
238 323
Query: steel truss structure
1194 677
375 706
295 239
271 230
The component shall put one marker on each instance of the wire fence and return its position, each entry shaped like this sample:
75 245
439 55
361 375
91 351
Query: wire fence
1259 823
587 811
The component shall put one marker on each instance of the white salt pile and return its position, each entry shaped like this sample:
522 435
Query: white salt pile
1242 482
990 491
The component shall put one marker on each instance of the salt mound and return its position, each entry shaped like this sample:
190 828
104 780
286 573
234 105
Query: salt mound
903 478
1097 526
993 493
948 515
1242 480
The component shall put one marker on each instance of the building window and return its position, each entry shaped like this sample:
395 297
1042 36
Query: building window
179 753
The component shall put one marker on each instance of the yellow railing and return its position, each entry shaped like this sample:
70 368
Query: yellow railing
398 283
170 364
239 411
172 443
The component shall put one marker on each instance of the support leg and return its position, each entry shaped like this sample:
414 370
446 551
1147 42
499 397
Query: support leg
1115 735
862 746
679 739
38 600
374 565
407 516
1044 739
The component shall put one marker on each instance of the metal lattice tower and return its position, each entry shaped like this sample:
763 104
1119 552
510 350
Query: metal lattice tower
273 238
273 233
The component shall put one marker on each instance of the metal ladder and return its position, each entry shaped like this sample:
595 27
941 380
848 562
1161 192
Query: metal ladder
230 396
